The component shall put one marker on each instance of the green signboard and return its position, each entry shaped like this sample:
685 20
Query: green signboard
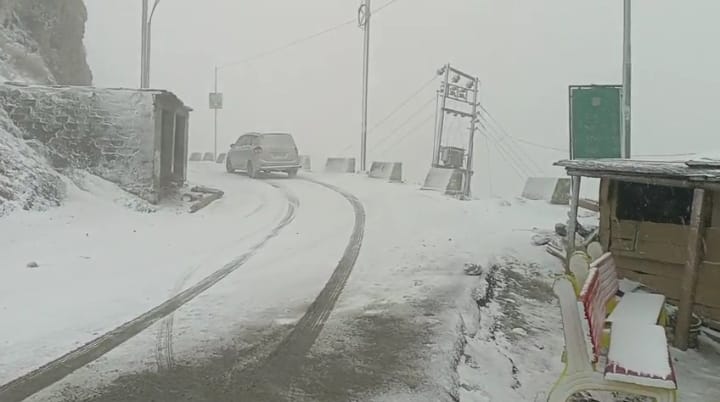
596 122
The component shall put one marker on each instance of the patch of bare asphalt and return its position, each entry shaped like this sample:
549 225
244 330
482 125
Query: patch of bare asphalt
364 356
358 356
225 376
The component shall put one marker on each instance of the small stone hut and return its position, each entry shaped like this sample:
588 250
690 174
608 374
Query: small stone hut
135 138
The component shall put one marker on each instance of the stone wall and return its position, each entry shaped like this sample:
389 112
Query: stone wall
111 133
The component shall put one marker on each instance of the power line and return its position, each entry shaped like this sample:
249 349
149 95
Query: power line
502 132
409 132
489 166
400 126
389 3
509 160
396 129
403 103
565 151
509 151
505 157
510 155
303 39
540 146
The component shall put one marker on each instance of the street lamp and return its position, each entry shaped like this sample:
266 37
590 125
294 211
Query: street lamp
146 42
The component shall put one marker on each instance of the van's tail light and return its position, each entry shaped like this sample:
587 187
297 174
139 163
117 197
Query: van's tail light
258 150
296 150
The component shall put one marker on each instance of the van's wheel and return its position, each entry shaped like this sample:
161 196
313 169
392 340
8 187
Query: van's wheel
229 167
292 173
252 173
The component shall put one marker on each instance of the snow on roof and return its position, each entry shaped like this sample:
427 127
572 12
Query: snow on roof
695 170
91 89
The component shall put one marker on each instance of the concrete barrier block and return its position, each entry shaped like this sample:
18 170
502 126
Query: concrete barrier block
221 158
391 171
208 157
195 156
305 162
552 189
340 165
448 181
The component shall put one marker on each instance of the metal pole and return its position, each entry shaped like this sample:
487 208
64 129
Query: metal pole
627 80
366 72
437 116
471 145
441 118
148 48
144 39
572 221
216 115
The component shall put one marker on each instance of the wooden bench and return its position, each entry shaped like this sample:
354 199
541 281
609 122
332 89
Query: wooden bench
637 361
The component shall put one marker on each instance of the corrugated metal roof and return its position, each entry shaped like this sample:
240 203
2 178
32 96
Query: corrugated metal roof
697 170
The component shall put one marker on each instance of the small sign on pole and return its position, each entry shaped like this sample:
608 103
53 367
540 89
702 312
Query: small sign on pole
216 100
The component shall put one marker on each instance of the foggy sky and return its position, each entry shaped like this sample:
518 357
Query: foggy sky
526 53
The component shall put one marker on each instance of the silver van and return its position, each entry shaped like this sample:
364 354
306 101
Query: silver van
270 152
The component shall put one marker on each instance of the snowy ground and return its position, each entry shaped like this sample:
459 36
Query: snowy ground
410 325
101 264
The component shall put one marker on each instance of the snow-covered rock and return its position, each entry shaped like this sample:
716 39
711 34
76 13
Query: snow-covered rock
40 42
26 179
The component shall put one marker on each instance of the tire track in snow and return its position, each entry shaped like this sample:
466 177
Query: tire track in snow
277 372
23 387
164 353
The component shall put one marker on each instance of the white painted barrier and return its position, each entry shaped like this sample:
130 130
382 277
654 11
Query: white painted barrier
448 181
340 165
196 157
221 158
552 189
391 171
305 162
208 157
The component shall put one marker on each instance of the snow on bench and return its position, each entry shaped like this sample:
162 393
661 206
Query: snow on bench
638 360
633 306
638 354
644 308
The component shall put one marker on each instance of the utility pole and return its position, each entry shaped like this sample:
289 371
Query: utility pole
471 144
364 15
216 103
441 117
144 39
627 80
215 126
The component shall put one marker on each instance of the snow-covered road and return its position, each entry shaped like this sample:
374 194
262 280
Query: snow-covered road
393 333
340 288
302 257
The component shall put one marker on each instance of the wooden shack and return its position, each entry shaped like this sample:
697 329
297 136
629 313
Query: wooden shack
661 221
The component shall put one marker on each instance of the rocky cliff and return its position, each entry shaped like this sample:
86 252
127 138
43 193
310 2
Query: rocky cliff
41 41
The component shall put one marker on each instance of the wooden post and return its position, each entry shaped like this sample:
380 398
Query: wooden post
690 274
572 222
605 213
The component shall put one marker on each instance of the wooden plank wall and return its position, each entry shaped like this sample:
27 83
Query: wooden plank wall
655 254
